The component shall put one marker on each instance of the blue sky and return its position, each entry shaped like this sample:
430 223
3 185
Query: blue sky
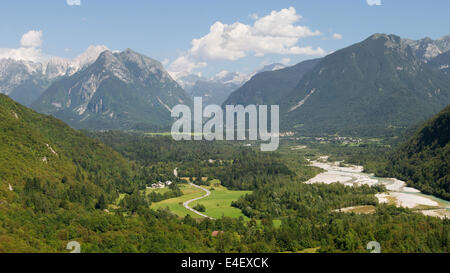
164 30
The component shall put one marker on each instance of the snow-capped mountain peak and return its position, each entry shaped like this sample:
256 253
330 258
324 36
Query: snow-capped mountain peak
88 57
227 77
25 80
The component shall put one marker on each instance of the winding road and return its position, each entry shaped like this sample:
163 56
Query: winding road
186 204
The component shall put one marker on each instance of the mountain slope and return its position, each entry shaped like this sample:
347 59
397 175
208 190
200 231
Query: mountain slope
270 87
371 88
212 92
55 184
217 89
270 67
424 160
119 91
441 62
25 81
427 48
41 147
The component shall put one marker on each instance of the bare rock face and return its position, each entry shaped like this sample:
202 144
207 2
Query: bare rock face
120 90
25 81
427 49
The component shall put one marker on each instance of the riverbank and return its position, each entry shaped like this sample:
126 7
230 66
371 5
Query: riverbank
398 193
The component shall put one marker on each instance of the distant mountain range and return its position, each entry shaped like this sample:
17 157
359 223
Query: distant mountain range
441 62
373 87
123 90
270 86
376 87
213 90
216 90
25 81
427 48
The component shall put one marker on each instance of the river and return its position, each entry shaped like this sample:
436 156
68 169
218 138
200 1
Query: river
398 192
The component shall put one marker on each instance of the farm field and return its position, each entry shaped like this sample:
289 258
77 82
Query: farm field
176 204
218 204
159 190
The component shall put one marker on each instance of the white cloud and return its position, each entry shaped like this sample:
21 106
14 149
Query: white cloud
276 33
22 54
73 2
183 66
306 51
337 36
29 50
32 38
285 61
374 2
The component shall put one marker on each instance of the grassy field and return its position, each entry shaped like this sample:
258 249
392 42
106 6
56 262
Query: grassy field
218 204
176 204
160 191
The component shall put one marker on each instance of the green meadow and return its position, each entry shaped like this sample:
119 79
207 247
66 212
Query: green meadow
218 204
175 205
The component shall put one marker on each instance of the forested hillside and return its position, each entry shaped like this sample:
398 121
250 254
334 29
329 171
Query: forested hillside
43 148
55 183
270 87
57 186
424 160
374 88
